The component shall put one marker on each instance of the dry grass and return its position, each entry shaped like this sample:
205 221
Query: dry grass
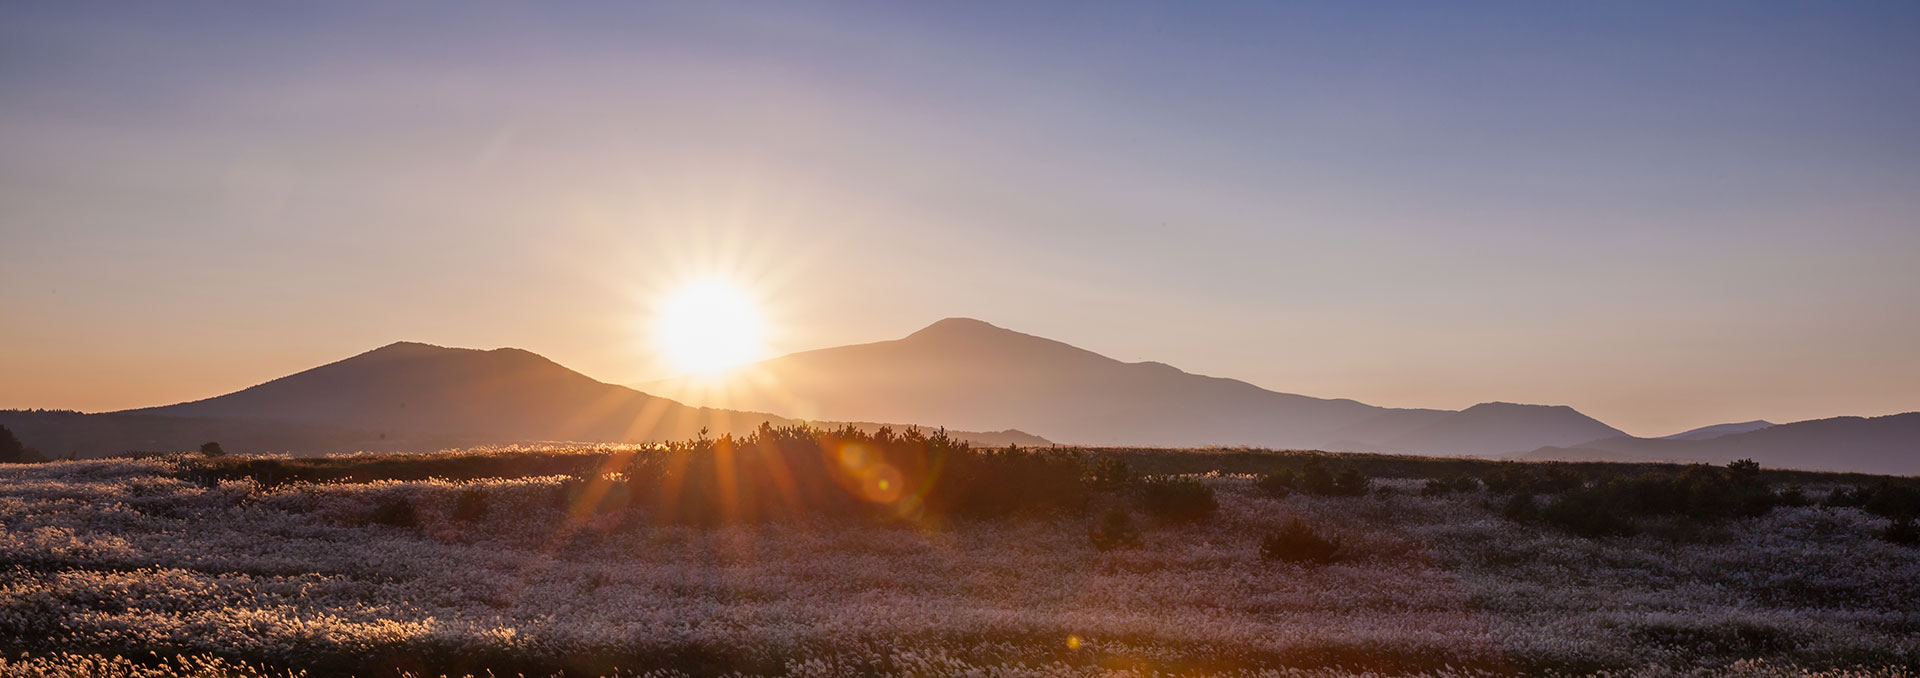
126 557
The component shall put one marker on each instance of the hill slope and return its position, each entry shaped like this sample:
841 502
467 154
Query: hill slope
506 394
969 374
1502 427
1889 444
1717 430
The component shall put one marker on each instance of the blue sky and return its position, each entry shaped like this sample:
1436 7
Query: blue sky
1663 214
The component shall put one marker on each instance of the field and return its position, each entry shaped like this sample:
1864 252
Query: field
536 562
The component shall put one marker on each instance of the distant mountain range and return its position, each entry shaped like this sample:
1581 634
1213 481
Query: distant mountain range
406 397
507 393
961 374
1889 445
969 374
1718 430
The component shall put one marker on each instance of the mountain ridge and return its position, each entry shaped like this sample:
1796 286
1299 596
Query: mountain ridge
977 375
1888 444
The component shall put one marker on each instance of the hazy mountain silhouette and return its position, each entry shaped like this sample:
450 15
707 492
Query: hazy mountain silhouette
1889 444
1717 430
504 393
969 374
408 397
1501 427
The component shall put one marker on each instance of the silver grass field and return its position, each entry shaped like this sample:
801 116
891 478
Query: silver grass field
123 568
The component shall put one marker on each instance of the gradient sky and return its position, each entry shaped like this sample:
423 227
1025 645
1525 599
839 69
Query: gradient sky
1663 214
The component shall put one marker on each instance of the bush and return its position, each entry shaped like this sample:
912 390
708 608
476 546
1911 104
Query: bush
1298 543
470 505
1521 508
1109 474
1178 499
1588 512
1440 486
1350 483
1889 500
211 449
1841 497
1277 485
1115 530
1517 478
1316 479
1902 531
12 451
803 471
395 512
1699 492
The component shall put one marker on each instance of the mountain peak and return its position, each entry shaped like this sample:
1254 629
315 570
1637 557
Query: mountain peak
958 326
416 349
408 349
1500 405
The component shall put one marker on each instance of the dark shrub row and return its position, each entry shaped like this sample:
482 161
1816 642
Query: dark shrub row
1115 530
1178 499
1298 543
1609 507
1314 478
801 470
1897 502
1440 486
1517 478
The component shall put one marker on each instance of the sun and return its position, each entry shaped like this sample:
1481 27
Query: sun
707 326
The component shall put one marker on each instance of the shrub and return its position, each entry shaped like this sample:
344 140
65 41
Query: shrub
1316 479
1744 472
1889 500
1277 485
1298 543
1902 531
1518 478
1521 508
1178 499
470 505
394 512
801 470
1110 473
1350 483
1588 512
1841 497
1440 486
211 449
12 451
1115 530
1699 492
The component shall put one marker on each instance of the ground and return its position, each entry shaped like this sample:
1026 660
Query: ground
141 559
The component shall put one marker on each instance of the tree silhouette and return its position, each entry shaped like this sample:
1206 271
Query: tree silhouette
13 452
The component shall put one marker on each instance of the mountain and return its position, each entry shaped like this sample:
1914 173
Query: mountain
1501 427
503 394
407 397
969 374
1717 430
1889 445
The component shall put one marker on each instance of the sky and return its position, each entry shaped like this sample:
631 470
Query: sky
1664 214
